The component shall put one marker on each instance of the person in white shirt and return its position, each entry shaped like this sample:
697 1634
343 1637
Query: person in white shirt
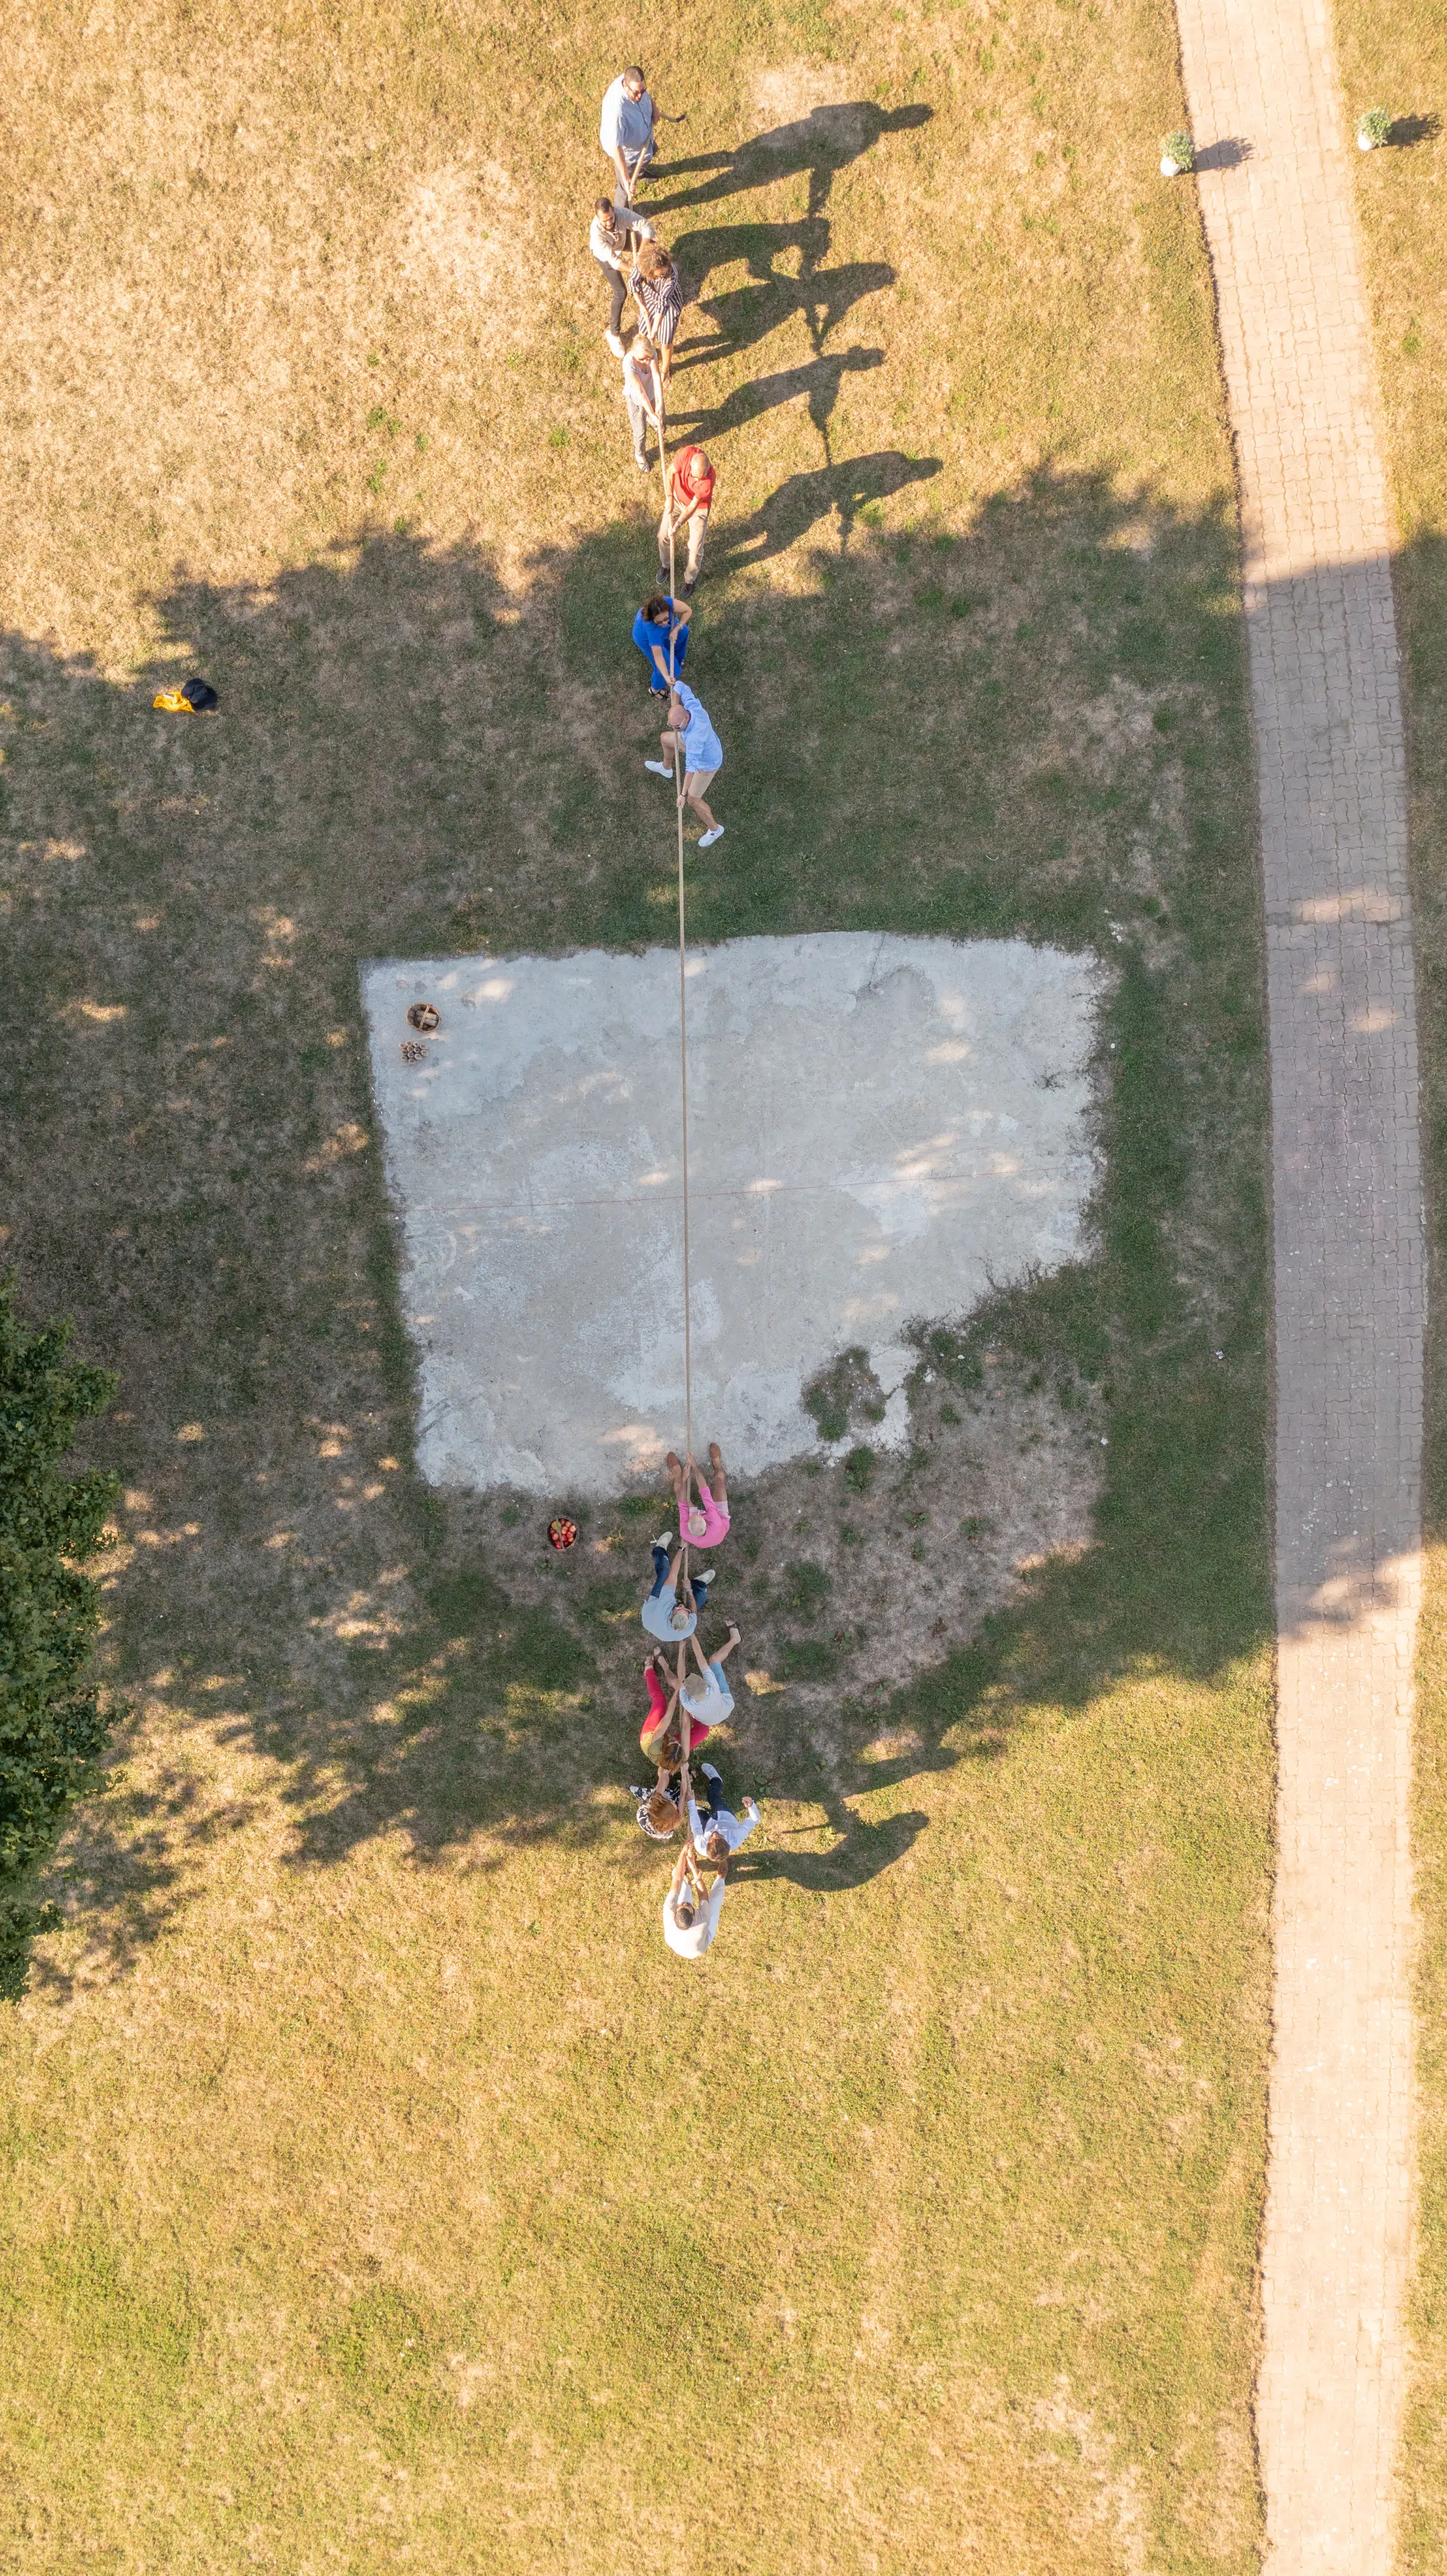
717 1833
626 131
706 1695
690 1919
611 245
643 397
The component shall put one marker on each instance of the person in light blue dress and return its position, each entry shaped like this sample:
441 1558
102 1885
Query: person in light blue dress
690 734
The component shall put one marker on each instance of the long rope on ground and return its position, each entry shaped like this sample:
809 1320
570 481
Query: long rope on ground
685 1722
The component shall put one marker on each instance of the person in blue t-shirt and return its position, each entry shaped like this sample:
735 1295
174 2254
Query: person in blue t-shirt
658 621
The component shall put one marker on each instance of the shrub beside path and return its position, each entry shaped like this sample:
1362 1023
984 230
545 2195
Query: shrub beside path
1276 198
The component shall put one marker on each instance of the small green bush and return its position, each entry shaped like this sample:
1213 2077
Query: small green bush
52 1733
954 1359
806 1589
1374 129
859 1468
807 1659
832 1396
1179 148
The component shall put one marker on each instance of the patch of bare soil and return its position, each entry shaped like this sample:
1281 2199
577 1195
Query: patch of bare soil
794 90
848 1576
454 234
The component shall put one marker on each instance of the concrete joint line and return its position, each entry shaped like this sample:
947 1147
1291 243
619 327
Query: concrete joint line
1348 1251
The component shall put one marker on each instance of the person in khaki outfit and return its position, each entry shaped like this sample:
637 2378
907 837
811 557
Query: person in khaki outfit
691 479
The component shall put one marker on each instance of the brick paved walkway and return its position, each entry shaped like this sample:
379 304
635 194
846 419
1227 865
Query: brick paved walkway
1347 1218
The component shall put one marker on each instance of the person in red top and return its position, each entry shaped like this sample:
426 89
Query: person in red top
690 483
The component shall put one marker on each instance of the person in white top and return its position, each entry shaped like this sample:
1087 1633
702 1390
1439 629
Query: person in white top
705 1694
717 1834
626 130
690 733
643 396
611 244
690 1919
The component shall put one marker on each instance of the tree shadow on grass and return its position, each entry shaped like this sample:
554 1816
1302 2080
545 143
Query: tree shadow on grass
192 900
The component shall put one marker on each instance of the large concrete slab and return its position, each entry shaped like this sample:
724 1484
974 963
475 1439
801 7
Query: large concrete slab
879 1130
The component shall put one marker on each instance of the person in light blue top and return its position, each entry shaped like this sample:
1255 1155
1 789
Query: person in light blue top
660 630
671 1609
691 735
625 131
706 1695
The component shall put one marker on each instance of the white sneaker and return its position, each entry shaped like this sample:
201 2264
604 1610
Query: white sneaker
704 1578
614 343
709 1772
660 768
705 839
663 1538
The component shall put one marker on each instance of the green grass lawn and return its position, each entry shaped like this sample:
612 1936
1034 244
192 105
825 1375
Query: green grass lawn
377 2186
1398 55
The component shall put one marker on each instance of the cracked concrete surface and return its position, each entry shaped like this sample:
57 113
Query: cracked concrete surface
880 1130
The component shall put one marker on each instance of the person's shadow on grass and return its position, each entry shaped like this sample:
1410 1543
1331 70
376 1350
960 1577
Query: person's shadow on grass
818 381
821 143
747 314
831 491
759 246
861 1854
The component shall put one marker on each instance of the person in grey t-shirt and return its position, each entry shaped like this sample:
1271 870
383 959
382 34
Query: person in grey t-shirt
671 1609
626 131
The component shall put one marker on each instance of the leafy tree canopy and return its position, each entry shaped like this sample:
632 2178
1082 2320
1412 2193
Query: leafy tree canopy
52 1733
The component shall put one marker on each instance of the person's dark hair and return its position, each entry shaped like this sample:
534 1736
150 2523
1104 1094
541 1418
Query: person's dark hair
636 72
604 206
653 260
716 1838
684 1910
656 609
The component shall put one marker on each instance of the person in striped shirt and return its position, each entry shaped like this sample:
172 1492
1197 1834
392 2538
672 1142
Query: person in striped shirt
658 298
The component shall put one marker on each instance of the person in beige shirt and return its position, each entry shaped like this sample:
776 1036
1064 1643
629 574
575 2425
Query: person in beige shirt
610 242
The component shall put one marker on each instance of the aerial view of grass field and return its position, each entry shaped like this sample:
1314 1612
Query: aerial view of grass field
380 2186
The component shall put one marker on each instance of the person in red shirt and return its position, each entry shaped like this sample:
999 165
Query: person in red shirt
690 482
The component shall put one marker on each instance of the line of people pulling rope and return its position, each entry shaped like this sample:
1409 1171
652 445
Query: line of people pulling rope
689 1696
686 1701
634 262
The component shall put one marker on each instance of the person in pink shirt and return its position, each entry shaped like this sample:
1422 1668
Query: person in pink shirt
704 1523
